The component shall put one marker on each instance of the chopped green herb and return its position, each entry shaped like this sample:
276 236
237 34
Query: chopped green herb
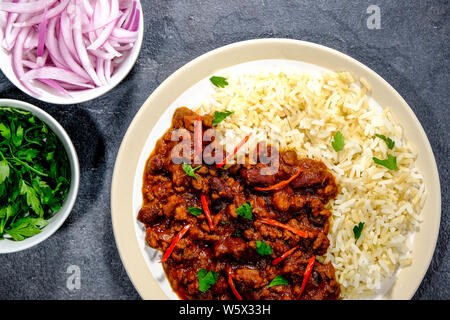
34 174
245 211
195 211
278 281
225 222
26 227
389 142
263 249
219 81
357 230
4 171
206 279
338 142
190 171
390 162
220 116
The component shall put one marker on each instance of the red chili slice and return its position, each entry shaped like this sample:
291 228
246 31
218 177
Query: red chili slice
207 212
282 183
174 242
230 282
308 270
275 223
231 155
283 256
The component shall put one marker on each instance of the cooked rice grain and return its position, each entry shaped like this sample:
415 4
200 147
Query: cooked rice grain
306 110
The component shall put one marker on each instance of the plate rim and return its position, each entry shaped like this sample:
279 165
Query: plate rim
133 261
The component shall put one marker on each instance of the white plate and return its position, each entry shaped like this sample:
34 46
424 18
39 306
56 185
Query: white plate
154 119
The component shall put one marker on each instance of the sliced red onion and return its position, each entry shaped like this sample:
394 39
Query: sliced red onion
135 25
53 12
120 33
108 70
31 41
73 65
17 59
81 49
67 35
32 7
88 8
42 32
92 29
69 44
124 16
52 45
101 70
55 74
55 85
104 35
131 16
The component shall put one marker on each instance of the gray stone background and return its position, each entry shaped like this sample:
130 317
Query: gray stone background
411 51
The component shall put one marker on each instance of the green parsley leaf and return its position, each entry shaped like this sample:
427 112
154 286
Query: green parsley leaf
338 142
32 198
278 281
5 131
25 228
390 162
263 249
225 222
190 171
17 136
220 82
4 171
389 142
27 155
6 212
357 230
206 279
220 116
245 211
195 211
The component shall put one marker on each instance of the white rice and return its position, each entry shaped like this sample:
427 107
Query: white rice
306 110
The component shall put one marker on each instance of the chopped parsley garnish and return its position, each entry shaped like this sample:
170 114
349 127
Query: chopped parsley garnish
190 171
389 142
220 116
263 248
34 174
245 211
338 142
219 82
357 230
278 281
195 211
26 227
390 162
225 222
206 279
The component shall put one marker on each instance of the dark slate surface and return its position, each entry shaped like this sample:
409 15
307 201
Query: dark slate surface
411 51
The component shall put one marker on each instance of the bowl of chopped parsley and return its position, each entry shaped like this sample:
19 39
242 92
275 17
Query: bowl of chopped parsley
39 175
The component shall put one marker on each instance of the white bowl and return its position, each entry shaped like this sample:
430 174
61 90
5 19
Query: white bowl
51 95
8 246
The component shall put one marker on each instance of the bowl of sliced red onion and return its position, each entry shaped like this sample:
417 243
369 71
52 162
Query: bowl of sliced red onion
69 51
